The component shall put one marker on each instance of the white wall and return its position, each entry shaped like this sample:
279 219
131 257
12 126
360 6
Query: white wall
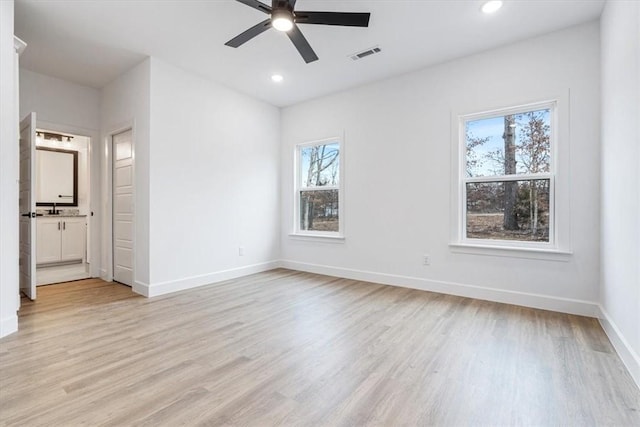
9 163
214 181
126 104
66 107
398 173
620 196
58 101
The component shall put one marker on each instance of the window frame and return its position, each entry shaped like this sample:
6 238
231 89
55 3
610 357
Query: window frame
463 180
298 188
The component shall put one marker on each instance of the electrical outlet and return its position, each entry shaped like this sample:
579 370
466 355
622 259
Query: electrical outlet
426 259
241 251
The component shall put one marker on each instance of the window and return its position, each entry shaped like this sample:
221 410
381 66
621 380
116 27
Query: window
318 189
507 176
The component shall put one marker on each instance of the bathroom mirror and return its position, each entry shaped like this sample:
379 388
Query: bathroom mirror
56 177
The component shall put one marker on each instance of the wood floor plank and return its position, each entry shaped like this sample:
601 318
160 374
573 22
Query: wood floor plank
292 348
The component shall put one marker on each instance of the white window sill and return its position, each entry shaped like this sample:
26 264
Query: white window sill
317 238
511 251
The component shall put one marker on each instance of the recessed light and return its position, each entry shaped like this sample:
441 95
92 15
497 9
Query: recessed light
277 78
491 6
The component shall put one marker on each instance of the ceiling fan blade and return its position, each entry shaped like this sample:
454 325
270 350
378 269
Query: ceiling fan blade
302 44
256 5
257 29
347 19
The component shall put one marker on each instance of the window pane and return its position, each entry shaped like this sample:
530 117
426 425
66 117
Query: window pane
513 210
320 165
509 145
319 210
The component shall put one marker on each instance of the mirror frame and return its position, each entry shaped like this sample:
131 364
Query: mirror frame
75 177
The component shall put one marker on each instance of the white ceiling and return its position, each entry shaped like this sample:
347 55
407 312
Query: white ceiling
91 42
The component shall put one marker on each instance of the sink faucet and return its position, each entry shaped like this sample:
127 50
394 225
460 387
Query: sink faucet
54 211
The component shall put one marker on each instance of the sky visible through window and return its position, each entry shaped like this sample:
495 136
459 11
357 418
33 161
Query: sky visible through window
325 167
487 158
319 197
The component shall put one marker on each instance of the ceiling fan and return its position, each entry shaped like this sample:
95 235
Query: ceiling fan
285 18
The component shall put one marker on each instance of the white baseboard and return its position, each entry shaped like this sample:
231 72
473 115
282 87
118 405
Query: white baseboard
545 302
141 288
629 357
8 325
156 289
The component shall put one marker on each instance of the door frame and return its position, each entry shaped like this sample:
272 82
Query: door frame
94 244
108 243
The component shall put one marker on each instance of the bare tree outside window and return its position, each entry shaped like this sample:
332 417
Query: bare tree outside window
507 176
319 188
510 220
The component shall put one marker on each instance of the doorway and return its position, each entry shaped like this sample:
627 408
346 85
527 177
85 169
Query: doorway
63 206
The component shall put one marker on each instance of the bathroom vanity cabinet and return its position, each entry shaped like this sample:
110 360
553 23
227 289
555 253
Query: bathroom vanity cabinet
60 239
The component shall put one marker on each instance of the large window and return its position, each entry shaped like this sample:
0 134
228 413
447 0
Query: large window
318 190
508 176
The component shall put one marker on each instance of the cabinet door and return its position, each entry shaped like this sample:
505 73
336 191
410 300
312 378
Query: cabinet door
48 232
73 239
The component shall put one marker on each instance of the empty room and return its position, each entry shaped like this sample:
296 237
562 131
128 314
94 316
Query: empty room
319 213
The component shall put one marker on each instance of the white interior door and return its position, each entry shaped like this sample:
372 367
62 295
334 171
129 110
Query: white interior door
27 206
123 208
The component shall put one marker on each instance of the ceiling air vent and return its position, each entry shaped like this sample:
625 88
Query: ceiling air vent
365 53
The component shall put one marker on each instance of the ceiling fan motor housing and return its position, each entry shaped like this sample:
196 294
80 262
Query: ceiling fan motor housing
277 5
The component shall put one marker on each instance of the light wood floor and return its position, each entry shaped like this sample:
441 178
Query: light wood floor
293 348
